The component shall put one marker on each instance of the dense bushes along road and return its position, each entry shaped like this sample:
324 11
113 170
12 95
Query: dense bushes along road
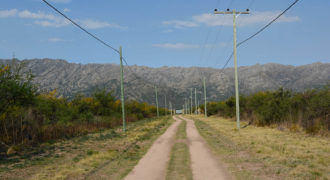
309 110
30 117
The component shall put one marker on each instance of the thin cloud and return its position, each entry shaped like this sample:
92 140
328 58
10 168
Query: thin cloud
50 20
209 19
176 46
190 46
54 39
94 24
60 1
66 10
181 24
8 13
168 31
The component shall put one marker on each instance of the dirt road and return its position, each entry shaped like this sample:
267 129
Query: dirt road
204 164
154 164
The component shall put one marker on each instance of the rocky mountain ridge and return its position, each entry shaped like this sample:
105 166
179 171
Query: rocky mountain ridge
71 79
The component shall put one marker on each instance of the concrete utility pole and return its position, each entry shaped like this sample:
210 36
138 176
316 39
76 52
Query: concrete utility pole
235 58
195 101
185 106
191 101
157 101
171 109
198 112
122 88
205 102
165 106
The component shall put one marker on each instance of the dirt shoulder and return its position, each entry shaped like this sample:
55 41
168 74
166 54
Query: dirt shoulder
110 154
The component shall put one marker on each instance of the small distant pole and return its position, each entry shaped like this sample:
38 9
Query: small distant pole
195 101
157 101
198 107
171 109
205 102
122 88
191 101
165 106
183 109
234 13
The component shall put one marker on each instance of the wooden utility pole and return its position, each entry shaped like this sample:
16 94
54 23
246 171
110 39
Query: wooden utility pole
234 13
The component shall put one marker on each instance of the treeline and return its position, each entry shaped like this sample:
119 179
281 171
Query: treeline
309 110
29 117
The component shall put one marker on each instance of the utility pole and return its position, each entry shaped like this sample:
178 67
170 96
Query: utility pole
185 106
165 106
171 109
205 102
122 88
195 101
191 101
235 59
198 112
157 101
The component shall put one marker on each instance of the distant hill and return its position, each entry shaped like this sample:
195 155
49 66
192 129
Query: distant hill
70 79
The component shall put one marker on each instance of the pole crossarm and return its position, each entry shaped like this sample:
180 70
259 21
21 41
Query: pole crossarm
230 12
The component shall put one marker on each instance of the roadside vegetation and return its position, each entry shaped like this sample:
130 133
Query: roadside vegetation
109 154
307 111
266 152
29 117
179 166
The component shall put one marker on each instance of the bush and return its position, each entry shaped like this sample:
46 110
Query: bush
309 109
30 118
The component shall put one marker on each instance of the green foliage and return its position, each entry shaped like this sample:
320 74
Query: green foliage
15 87
29 117
310 109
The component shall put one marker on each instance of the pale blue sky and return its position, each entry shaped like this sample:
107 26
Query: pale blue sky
166 32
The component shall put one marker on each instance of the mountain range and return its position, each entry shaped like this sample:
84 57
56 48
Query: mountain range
177 83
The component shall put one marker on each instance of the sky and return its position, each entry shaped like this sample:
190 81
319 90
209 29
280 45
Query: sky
159 33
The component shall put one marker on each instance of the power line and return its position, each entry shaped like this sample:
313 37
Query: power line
98 39
201 58
219 34
262 29
83 29
271 22
137 77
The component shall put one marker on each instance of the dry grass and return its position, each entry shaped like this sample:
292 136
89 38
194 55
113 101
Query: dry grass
108 154
266 153
179 167
181 132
